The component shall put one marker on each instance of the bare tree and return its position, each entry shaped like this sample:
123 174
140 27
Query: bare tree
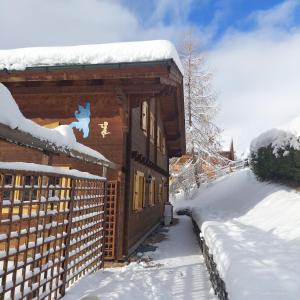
202 133
200 100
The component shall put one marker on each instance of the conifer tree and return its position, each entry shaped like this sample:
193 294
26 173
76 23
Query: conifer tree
202 133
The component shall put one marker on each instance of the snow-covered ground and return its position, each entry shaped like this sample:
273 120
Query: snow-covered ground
176 272
253 231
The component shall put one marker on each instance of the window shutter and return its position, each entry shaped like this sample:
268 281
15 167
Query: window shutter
135 192
160 192
138 191
152 126
141 191
152 192
144 119
158 138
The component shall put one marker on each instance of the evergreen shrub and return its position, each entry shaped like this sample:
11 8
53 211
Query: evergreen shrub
285 165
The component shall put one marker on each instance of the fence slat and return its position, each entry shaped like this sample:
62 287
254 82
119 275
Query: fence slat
51 232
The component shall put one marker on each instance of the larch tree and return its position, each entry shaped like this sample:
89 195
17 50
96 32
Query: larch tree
202 133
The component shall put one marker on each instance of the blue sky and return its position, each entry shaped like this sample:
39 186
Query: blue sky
251 46
218 16
66 22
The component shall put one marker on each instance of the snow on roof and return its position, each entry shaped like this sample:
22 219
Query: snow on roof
20 166
279 138
62 136
147 51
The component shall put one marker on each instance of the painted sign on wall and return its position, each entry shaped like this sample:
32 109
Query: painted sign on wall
83 119
104 127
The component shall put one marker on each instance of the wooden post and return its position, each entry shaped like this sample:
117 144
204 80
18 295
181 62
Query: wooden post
68 238
47 159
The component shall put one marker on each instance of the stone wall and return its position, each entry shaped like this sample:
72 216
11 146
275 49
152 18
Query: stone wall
217 283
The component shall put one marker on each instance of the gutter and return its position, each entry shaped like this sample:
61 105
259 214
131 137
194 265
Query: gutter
121 65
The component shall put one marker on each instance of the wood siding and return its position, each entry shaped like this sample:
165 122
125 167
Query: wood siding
115 95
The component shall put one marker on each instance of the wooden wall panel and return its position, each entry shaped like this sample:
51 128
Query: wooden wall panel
139 223
162 159
45 109
10 152
138 138
152 145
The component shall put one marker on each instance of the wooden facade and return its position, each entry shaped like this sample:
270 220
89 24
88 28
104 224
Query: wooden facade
136 121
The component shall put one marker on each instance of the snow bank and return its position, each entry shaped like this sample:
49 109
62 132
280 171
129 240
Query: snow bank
62 136
20 59
20 166
253 231
279 138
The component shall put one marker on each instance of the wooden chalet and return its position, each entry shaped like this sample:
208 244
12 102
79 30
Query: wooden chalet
136 121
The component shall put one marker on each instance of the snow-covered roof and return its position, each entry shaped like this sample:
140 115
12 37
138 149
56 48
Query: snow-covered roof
21 166
62 136
129 52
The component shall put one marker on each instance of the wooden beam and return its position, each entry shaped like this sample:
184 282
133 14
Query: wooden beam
79 90
168 81
140 70
173 137
123 103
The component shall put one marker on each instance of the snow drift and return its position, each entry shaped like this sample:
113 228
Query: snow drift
253 231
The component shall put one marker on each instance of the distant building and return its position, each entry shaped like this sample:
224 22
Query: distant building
203 167
229 154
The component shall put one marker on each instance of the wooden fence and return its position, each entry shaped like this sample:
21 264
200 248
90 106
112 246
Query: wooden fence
110 218
51 232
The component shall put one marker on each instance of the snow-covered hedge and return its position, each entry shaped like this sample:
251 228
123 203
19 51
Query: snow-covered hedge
284 165
275 154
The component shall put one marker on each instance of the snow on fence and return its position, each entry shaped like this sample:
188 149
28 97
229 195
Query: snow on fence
51 232
186 179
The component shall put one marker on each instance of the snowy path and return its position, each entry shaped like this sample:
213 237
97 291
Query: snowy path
180 273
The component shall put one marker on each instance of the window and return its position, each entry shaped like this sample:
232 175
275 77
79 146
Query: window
164 190
152 192
152 127
160 192
138 190
144 117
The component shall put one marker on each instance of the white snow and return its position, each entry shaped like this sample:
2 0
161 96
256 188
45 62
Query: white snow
146 51
177 272
253 231
62 136
47 169
279 138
